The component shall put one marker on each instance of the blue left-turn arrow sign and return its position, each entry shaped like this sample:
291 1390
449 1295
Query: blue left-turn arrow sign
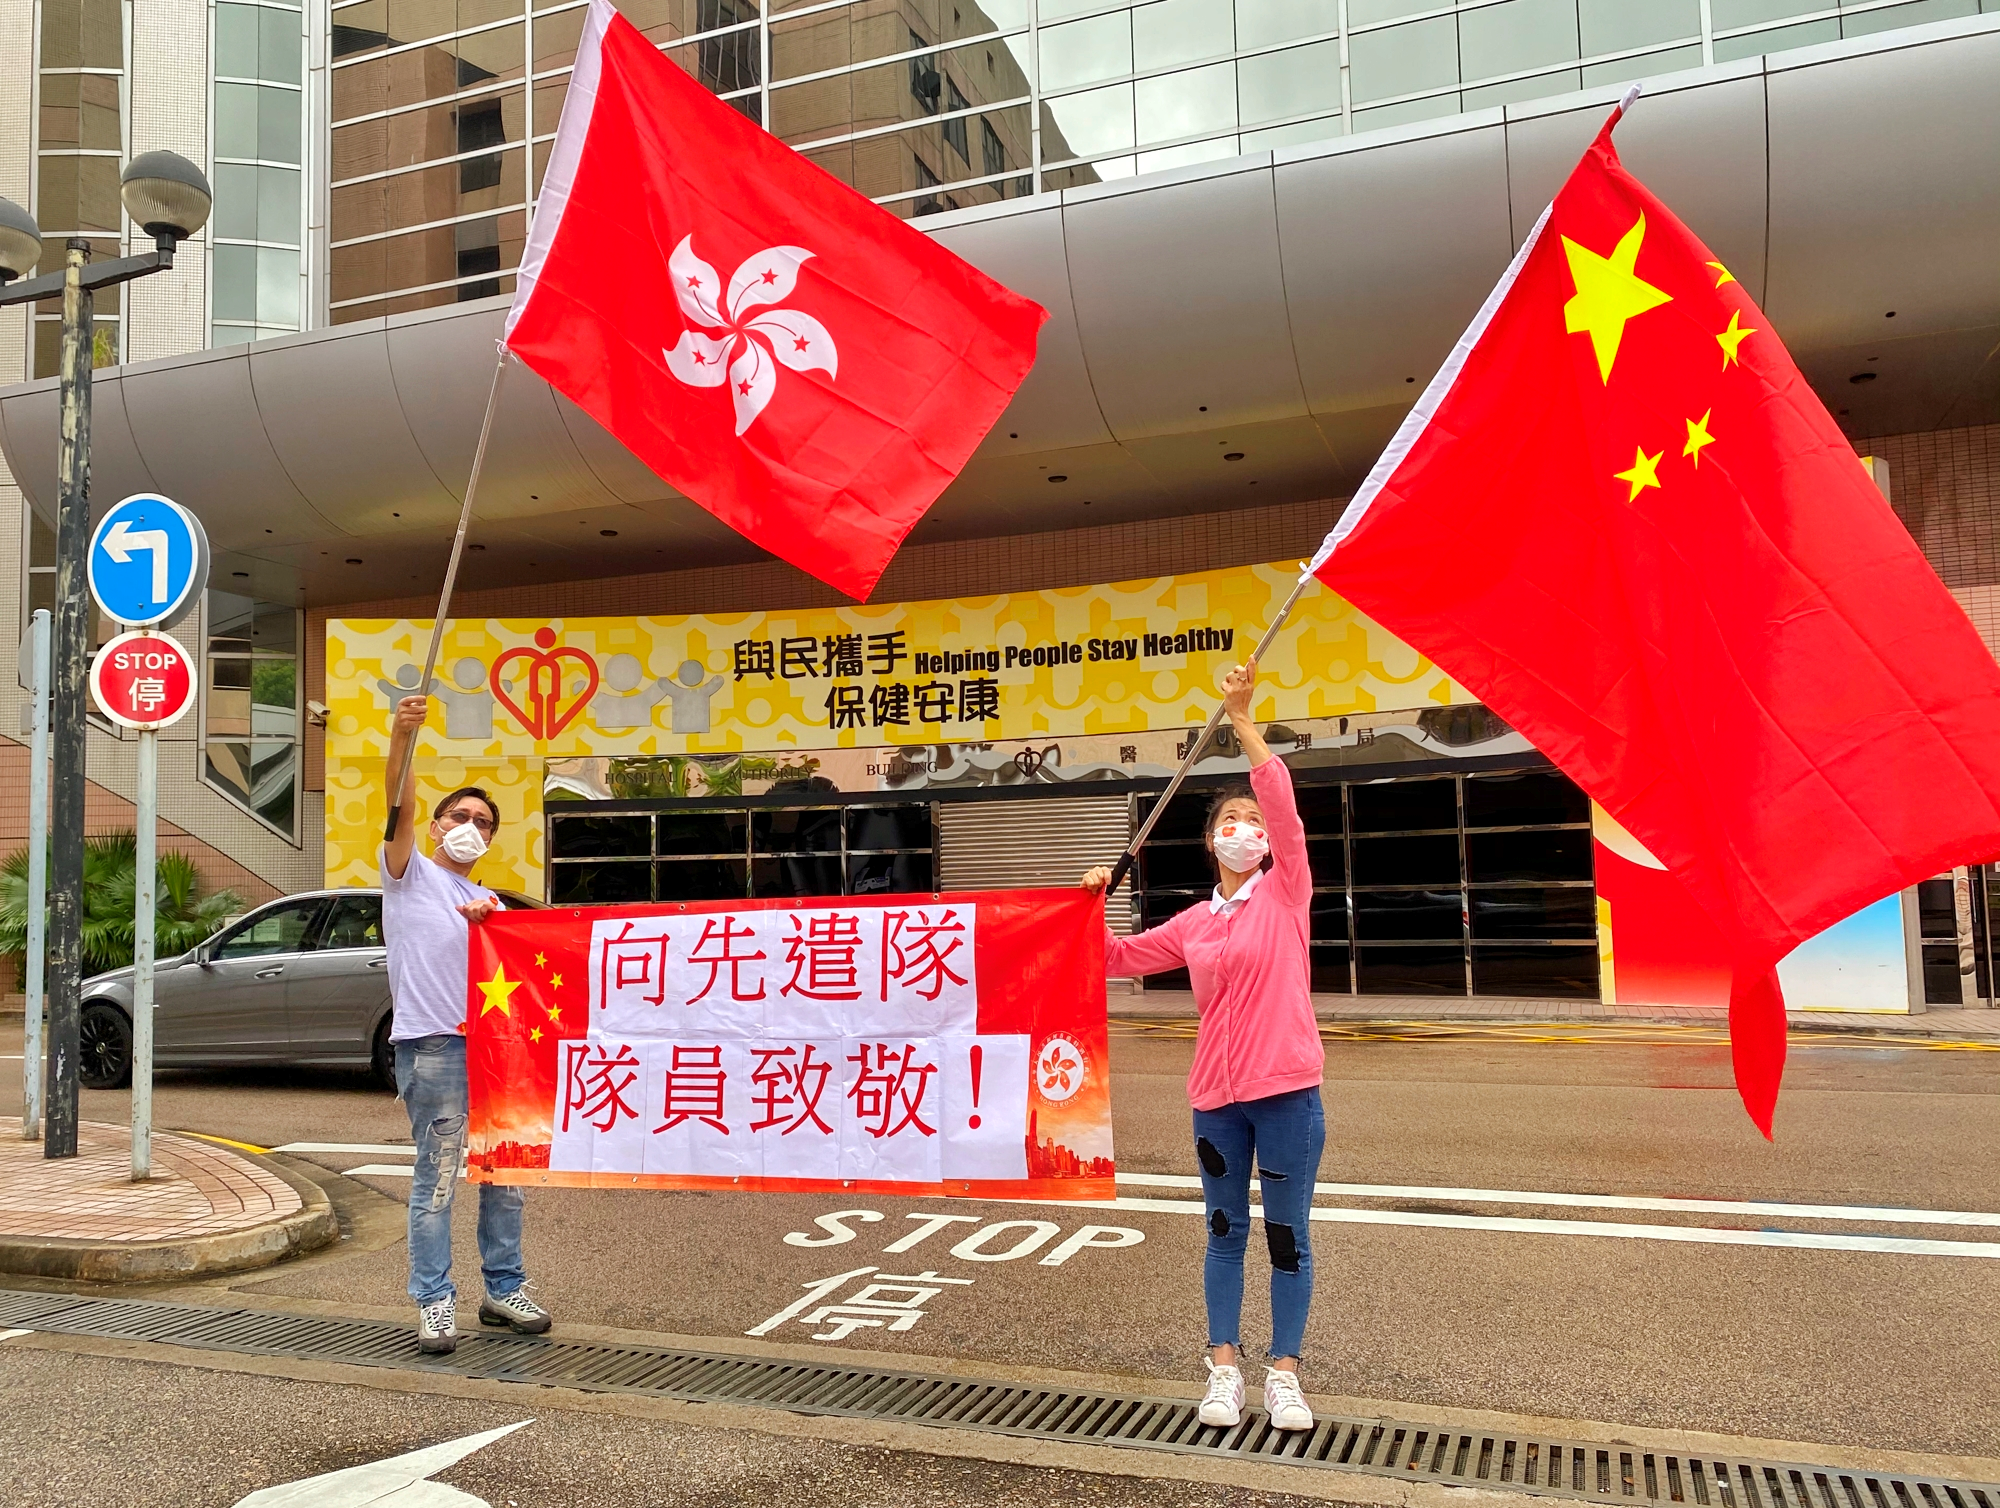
148 556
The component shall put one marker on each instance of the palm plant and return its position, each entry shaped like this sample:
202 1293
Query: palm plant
182 915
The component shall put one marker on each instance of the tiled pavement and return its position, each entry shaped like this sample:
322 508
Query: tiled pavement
1949 1023
197 1189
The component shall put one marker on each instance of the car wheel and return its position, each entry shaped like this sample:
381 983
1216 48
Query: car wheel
384 1056
104 1047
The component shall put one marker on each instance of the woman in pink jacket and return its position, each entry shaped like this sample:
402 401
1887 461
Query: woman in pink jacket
1257 1059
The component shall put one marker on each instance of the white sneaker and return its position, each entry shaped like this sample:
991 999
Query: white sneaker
437 1326
1222 1405
516 1311
1284 1402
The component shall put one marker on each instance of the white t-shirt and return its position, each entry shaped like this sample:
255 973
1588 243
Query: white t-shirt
428 946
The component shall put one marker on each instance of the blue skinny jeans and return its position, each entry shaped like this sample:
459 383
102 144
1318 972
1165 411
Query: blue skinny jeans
430 1080
1282 1137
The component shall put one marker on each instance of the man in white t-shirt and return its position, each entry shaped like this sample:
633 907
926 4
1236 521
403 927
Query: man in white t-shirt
427 906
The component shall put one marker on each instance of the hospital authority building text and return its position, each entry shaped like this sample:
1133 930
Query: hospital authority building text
1258 226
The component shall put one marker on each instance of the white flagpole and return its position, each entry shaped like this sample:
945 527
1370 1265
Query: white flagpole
444 596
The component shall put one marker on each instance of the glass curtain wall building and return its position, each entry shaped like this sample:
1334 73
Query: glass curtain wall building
258 226
444 110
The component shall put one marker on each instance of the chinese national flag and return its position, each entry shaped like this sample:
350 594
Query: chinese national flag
795 359
1621 518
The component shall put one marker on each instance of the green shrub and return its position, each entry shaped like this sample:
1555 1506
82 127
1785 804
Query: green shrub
182 915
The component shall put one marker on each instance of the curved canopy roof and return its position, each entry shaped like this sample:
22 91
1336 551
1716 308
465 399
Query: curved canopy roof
1285 306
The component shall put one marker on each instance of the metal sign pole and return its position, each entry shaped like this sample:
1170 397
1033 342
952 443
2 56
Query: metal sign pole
142 955
35 663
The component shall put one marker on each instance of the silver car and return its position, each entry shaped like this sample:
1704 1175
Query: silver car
302 980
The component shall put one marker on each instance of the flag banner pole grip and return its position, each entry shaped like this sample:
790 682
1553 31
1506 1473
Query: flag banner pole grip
423 688
1200 742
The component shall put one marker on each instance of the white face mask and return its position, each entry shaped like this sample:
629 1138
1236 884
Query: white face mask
462 844
1241 846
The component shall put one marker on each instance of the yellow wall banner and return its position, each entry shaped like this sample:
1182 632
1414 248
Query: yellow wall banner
1133 656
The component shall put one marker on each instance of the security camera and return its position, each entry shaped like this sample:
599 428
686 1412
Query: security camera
316 714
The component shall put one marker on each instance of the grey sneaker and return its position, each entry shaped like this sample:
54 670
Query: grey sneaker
516 1311
437 1326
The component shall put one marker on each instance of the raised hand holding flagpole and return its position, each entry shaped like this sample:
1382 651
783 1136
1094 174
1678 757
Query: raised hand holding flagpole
1200 742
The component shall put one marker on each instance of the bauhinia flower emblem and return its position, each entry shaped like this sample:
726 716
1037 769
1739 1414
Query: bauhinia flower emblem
743 338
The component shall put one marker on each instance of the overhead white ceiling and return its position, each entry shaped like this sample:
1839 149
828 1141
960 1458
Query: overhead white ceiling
1285 306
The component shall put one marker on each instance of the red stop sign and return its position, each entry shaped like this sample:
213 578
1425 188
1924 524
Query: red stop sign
143 680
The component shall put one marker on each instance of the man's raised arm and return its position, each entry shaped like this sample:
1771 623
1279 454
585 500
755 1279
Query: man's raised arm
410 714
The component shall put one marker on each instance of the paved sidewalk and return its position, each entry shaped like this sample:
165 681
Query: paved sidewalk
1932 1023
205 1209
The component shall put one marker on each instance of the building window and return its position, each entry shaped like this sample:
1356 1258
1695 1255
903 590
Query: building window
79 147
991 148
925 84
258 229
954 130
250 707
695 851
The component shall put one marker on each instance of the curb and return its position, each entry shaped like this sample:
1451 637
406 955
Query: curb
306 1229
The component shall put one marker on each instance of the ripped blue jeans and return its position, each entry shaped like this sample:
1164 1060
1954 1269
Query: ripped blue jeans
1282 1137
430 1080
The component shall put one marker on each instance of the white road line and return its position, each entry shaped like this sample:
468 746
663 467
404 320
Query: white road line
358 1148
1701 1234
1667 1204
14 1334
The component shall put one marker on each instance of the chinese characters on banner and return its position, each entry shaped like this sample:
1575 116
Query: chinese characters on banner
920 1043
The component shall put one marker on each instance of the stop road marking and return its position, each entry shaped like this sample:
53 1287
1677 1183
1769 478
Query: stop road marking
837 1231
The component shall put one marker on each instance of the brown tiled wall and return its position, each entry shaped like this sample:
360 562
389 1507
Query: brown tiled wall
107 812
1945 485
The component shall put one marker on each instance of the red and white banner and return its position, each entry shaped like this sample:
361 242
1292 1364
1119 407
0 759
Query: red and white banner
910 1044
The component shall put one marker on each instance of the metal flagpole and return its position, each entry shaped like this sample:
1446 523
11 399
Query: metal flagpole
1306 578
444 597
37 657
146 862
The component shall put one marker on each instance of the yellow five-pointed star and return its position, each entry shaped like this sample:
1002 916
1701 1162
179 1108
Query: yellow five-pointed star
1731 338
498 989
1608 293
1722 274
541 960
1645 472
555 1012
534 1034
555 981
1698 436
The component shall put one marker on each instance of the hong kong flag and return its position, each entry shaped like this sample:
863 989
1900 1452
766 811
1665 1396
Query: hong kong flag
1621 518
795 359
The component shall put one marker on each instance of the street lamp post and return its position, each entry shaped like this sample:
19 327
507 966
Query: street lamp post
166 195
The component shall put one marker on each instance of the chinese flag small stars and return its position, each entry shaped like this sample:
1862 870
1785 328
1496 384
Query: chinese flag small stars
1698 436
541 960
534 1034
1731 338
1722 274
555 981
498 990
1608 293
1645 472
554 1013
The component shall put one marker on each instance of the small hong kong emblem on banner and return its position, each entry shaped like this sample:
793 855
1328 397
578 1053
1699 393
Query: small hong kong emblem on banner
916 1043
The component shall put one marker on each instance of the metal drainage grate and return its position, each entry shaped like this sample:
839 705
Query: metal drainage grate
1578 1469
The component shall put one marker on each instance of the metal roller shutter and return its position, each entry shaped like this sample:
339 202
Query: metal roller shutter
1021 845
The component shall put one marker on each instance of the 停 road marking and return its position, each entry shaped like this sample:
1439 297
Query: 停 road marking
1889 1214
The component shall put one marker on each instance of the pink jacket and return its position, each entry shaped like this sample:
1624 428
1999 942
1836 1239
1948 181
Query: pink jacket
1250 969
